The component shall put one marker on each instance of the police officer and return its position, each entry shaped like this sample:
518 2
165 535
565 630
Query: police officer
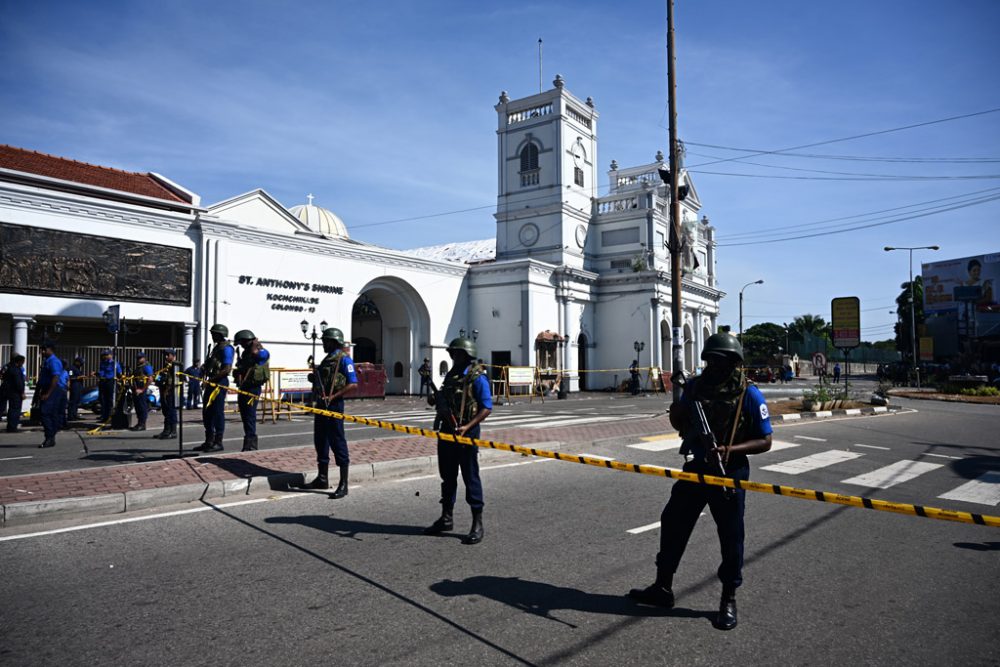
141 378
166 382
76 376
52 390
107 373
425 377
251 374
737 415
466 394
332 380
216 370
633 371
194 385
12 385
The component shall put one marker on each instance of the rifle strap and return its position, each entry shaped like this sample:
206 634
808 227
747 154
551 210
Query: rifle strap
739 411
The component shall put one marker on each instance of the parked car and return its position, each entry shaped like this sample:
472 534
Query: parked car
761 374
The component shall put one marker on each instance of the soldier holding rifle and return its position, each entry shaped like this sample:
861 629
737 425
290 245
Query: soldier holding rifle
722 419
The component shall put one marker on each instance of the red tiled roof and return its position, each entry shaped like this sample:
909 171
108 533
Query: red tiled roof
42 164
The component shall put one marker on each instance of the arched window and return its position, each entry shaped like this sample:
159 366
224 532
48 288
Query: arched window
397 369
443 368
529 157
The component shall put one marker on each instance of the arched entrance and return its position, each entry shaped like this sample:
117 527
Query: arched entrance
581 360
666 348
689 360
388 322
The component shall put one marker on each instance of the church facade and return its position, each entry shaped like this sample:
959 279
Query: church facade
575 282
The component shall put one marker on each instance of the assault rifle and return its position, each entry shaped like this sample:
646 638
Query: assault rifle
444 416
703 444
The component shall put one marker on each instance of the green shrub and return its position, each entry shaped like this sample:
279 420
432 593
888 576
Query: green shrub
980 391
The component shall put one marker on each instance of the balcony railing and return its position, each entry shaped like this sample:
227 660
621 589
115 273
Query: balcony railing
527 114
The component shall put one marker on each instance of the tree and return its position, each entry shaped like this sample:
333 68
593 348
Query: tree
763 341
904 340
809 324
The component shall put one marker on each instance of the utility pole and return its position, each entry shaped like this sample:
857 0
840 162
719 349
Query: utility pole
676 311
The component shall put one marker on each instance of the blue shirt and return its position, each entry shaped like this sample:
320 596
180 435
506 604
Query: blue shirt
228 354
262 357
481 391
195 371
75 373
347 368
108 369
51 371
145 369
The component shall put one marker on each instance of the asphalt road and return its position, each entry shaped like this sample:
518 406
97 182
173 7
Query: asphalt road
304 579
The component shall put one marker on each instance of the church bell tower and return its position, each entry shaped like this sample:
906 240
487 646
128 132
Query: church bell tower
547 175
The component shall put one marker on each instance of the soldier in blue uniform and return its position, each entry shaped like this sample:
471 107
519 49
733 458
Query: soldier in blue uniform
216 370
194 385
12 392
333 379
738 418
76 375
141 377
166 382
466 393
251 374
64 401
52 390
107 374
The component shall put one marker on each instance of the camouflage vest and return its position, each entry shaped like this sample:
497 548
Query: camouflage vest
457 392
330 379
250 372
720 410
215 362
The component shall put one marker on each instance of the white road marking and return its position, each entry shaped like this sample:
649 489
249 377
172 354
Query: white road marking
657 445
813 462
893 474
944 456
984 490
648 527
858 444
809 437
161 515
15 458
501 465
778 445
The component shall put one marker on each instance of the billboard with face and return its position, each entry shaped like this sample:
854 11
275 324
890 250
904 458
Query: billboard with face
953 282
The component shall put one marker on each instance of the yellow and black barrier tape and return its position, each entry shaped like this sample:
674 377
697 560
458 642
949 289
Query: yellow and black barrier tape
659 471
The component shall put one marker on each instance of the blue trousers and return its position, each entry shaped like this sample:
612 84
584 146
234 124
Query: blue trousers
168 406
193 395
248 410
52 415
328 433
453 457
13 412
141 403
106 392
75 393
687 500
214 416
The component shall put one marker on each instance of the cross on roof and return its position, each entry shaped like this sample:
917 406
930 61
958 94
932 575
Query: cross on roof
310 198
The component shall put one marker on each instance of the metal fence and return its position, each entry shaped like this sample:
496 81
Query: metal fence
91 357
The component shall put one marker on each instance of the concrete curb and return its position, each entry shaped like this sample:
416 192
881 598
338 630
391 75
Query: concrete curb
825 414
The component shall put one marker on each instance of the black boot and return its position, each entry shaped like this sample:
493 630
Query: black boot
341 490
139 427
172 433
727 611
253 443
203 447
49 442
657 594
476 533
444 523
216 445
246 444
322 481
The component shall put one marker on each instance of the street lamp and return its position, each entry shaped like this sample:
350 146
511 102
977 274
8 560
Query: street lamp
913 308
312 335
756 282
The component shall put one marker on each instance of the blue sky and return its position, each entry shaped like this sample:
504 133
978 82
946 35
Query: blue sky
385 111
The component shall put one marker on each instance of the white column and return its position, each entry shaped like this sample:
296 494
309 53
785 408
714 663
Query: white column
21 334
655 344
188 355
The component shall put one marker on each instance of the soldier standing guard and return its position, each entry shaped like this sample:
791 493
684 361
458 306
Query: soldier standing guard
216 370
251 374
12 391
332 380
194 385
141 378
107 373
738 418
466 393
52 390
425 377
166 382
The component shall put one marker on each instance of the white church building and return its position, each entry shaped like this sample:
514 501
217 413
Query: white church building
573 283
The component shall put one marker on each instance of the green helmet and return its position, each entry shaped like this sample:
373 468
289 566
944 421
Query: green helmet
244 334
333 333
465 344
722 344
220 329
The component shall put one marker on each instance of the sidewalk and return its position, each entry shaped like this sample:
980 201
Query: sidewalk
30 499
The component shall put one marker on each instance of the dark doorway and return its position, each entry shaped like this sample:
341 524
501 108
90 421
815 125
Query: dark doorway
364 351
499 360
581 360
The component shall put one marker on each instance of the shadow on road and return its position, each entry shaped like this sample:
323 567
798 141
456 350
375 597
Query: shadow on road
979 546
541 599
347 527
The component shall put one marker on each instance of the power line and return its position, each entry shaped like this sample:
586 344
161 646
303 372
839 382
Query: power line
852 137
845 178
856 158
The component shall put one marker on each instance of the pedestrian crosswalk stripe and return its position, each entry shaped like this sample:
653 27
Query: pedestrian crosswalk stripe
984 490
809 437
893 474
778 445
858 444
659 445
813 462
